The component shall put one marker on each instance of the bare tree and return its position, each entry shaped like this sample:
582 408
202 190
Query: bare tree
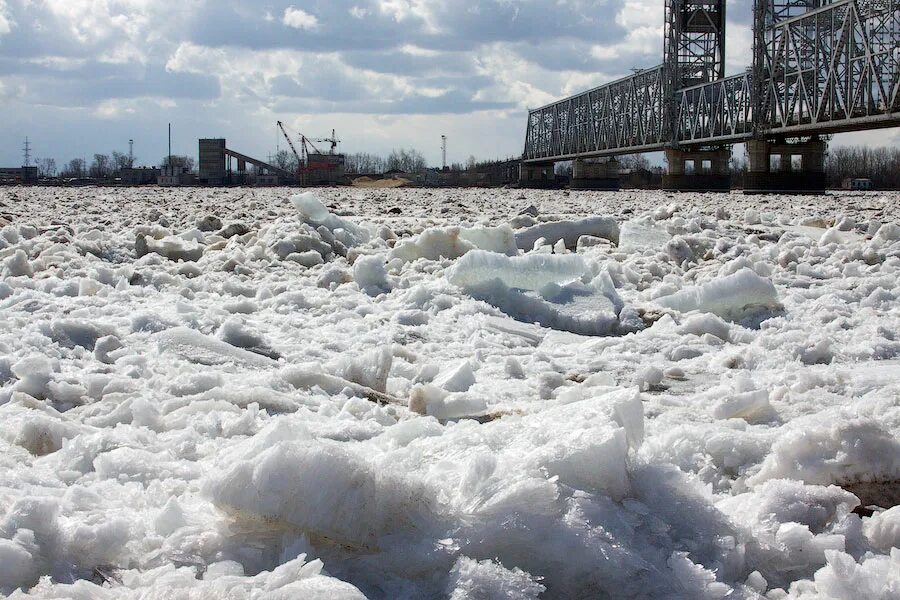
120 161
185 162
46 167
363 162
635 162
285 160
408 161
100 168
881 165
74 168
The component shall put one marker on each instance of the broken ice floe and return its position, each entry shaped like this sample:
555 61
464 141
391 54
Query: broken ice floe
733 297
542 288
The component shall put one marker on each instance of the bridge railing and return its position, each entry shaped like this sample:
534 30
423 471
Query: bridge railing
624 116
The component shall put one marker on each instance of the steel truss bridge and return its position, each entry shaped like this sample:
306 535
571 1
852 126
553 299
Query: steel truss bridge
818 68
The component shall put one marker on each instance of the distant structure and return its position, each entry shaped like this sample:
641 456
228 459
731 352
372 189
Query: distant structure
18 175
443 152
859 184
172 175
26 174
215 167
316 167
140 175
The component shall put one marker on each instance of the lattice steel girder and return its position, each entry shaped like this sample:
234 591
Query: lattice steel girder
622 116
835 68
694 49
830 69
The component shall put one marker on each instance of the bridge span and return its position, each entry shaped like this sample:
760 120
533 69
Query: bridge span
818 68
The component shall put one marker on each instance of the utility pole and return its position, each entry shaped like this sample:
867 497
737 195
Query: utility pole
130 153
443 152
27 150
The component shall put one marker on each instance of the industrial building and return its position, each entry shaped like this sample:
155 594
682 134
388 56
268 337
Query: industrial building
15 175
139 175
216 161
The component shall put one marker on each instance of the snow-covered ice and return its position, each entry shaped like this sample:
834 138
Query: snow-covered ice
489 394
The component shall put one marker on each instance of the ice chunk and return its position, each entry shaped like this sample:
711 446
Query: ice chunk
195 347
568 231
732 297
438 403
846 452
70 333
321 489
171 247
636 236
370 275
236 332
453 242
489 580
456 378
18 265
883 529
371 369
842 578
500 239
17 566
33 373
577 308
750 406
531 272
315 213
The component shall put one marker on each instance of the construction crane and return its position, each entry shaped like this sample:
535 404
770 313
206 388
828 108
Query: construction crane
315 166
332 140
302 159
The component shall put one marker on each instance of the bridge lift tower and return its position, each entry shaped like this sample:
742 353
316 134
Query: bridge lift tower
819 67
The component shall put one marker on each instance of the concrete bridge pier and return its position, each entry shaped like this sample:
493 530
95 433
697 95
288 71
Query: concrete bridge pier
697 170
537 175
785 168
595 175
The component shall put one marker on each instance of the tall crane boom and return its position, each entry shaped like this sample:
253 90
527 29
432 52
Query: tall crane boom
290 143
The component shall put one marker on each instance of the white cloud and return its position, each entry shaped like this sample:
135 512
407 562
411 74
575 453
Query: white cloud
299 19
358 12
5 24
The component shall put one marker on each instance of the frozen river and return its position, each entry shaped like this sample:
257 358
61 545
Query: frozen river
488 394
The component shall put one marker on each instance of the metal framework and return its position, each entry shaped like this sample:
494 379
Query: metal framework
818 68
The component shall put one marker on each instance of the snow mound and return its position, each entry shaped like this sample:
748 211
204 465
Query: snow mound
732 297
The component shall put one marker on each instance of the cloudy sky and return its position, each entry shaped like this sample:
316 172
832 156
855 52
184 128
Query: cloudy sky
84 76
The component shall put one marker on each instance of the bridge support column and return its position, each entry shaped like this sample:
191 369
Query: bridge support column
697 170
537 175
589 175
800 168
